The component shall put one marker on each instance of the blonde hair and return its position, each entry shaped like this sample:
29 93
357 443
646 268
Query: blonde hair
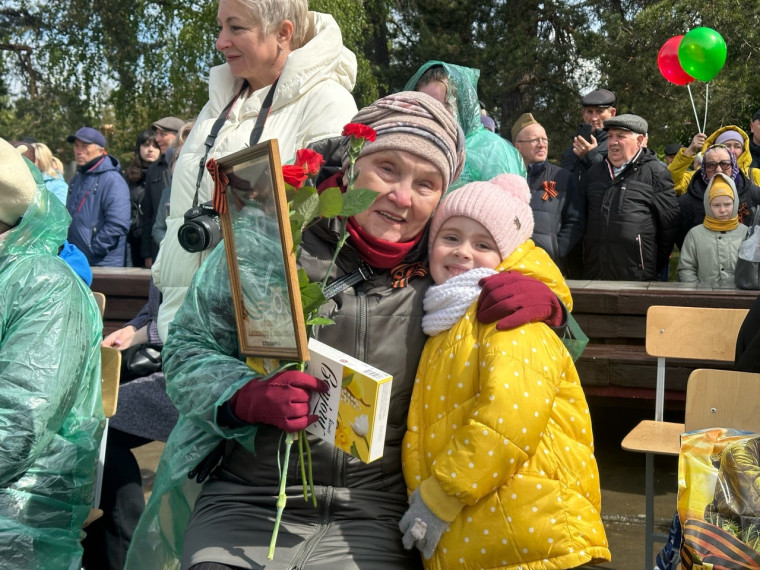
46 162
271 13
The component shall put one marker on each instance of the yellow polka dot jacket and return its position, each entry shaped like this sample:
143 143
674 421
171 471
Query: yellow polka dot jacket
499 442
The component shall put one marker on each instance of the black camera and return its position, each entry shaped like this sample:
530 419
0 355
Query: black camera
201 230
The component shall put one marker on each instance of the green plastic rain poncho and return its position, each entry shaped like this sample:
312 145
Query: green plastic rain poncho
51 414
487 154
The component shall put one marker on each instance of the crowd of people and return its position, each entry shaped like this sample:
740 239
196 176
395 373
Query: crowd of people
464 252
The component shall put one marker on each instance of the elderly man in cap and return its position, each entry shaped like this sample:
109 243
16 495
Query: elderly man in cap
157 178
589 145
632 211
51 414
557 206
671 150
98 201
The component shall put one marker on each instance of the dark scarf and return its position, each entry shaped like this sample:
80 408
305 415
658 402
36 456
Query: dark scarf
92 164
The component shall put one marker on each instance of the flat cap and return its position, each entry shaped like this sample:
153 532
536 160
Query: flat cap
598 98
524 120
627 122
672 148
169 124
88 135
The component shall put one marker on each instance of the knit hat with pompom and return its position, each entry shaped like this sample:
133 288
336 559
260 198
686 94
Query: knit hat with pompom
501 205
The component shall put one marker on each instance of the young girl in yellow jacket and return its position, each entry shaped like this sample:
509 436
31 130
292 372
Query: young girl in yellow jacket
499 453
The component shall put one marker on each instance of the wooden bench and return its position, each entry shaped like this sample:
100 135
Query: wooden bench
612 313
126 291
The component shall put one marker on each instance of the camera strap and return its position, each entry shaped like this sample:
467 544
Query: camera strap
258 128
361 273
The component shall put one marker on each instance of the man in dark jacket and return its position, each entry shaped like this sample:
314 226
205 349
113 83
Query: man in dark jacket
598 106
157 178
631 208
554 198
98 201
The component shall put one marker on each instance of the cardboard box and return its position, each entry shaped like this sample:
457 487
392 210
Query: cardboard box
354 413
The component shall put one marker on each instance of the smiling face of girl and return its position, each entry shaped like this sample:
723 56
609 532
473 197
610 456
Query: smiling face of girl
460 245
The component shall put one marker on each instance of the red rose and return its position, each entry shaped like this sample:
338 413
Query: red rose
310 160
359 131
294 175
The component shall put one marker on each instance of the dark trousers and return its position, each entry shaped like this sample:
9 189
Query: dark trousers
122 501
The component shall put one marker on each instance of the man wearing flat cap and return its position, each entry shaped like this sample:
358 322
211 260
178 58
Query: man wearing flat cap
98 201
632 212
671 150
157 178
554 198
598 106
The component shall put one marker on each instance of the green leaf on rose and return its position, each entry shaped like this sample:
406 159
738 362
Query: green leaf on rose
330 202
320 321
356 201
312 297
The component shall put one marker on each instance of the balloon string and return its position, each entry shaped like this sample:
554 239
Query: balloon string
694 108
707 91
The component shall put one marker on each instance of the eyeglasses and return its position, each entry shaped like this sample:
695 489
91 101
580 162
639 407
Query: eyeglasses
534 142
710 166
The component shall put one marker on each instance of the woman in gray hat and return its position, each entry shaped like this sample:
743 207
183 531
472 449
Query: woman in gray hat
417 153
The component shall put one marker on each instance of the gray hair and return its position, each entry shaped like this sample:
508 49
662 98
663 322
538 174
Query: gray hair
271 13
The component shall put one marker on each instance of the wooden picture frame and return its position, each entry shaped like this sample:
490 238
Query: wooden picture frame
260 255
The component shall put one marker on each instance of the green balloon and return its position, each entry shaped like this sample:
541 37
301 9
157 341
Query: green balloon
702 53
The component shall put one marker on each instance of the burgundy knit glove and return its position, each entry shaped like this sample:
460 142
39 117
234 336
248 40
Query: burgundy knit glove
281 401
515 299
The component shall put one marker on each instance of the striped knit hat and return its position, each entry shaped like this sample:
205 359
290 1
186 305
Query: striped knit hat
416 123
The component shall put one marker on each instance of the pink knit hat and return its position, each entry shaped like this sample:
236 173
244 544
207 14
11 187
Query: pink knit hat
501 205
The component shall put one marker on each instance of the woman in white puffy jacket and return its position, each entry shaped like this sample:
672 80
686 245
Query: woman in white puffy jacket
263 41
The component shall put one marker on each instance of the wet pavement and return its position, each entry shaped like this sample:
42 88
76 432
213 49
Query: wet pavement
621 473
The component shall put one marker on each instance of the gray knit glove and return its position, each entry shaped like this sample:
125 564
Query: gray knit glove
421 527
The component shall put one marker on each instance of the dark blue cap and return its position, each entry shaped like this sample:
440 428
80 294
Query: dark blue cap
88 135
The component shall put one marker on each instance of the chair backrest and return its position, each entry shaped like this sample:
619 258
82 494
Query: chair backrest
689 332
100 299
693 332
110 371
723 398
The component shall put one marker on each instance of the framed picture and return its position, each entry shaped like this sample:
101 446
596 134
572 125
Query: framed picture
260 257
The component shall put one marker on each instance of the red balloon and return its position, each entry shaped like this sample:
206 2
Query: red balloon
669 65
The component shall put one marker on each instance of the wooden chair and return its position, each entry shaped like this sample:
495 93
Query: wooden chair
100 299
110 372
694 333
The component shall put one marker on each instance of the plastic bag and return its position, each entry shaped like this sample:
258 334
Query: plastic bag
719 498
574 339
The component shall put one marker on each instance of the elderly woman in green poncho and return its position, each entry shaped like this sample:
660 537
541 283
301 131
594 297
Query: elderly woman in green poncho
51 415
456 87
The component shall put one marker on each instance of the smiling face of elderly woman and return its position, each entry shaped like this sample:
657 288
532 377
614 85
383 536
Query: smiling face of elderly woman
410 188
256 36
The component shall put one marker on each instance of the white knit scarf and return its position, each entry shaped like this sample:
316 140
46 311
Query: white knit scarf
446 303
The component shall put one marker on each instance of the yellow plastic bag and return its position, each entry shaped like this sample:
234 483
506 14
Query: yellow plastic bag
718 490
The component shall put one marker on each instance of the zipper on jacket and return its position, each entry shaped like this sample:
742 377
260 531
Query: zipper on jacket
641 251
621 199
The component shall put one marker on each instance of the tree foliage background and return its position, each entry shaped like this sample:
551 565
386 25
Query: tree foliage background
119 65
